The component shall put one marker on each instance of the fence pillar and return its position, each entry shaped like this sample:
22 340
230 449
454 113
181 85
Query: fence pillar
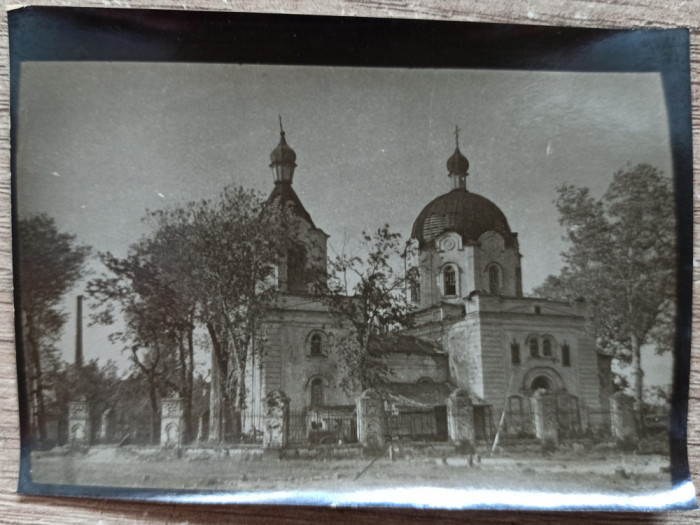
216 408
371 420
79 422
622 422
171 422
544 411
106 425
460 416
276 432
200 429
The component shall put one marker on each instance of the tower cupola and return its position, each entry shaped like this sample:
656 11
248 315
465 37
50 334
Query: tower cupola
283 160
458 166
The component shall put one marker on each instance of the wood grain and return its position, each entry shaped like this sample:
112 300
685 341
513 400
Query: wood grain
577 13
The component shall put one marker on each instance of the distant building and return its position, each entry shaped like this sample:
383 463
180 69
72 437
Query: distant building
474 328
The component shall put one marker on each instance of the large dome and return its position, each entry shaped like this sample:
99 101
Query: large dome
463 212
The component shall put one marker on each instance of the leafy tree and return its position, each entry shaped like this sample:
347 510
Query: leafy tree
658 395
212 264
377 305
158 321
621 258
234 244
50 264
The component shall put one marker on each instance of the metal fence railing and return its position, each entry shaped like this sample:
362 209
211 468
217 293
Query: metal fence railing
418 424
323 425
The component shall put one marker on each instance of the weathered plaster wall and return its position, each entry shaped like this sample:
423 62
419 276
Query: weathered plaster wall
409 368
288 363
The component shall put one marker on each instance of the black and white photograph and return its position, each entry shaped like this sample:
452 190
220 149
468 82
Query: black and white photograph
386 283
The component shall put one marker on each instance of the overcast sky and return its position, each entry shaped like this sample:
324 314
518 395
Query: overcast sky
99 143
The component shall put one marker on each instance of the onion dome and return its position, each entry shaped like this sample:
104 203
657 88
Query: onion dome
283 160
457 164
468 214
283 195
283 153
460 211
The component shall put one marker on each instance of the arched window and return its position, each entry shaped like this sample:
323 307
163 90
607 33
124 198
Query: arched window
547 347
450 278
494 279
317 392
316 345
534 347
565 355
514 353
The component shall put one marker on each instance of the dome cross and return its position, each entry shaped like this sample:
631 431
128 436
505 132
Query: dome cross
458 166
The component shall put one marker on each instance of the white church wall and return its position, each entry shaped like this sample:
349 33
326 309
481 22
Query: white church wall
288 361
410 368
462 342
506 320
492 250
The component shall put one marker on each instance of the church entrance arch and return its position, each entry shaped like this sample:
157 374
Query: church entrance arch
541 383
543 377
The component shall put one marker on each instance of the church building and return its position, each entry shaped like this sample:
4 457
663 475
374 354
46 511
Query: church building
502 346
474 330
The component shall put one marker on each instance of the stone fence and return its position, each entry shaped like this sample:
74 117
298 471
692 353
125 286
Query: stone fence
372 427
370 420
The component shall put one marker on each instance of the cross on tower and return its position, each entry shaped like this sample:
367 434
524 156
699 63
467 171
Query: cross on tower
457 130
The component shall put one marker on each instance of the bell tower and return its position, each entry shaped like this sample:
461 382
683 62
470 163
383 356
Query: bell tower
305 261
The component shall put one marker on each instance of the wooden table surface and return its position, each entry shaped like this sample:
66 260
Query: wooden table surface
577 13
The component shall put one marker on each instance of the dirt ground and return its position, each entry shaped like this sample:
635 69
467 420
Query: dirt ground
613 473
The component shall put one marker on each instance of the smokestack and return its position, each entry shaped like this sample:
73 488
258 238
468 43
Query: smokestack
79 334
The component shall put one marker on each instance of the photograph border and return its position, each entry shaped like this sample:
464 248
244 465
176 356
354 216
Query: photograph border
90 34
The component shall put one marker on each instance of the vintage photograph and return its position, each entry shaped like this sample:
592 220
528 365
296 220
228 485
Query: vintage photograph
313 283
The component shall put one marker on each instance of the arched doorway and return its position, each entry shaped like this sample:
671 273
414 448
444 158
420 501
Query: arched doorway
542 377
539 383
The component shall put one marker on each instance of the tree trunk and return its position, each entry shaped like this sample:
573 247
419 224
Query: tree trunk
219 370
638 375
240 379
155 419
190 423
36 378
240 386
184 388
